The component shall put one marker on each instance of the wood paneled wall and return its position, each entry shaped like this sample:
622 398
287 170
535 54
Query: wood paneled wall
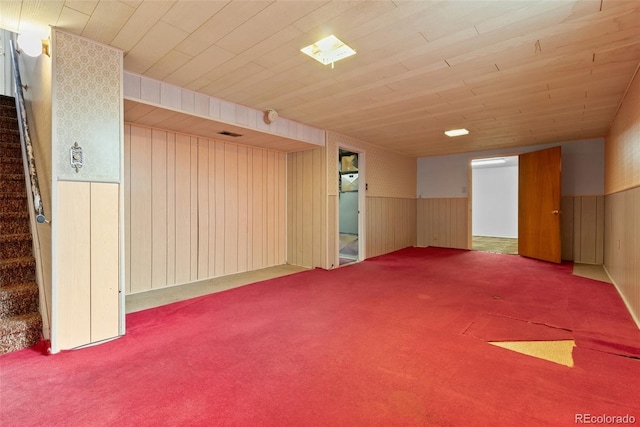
622 246
622 201
582 228
622 144
443 222
390 225
197 208
87 263
307 209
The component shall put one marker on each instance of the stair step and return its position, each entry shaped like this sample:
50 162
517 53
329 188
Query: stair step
17 270
13 202
10 150
11 167
7 100
15 246
9 123
12 183
20 332
10 156
8 111
14 223
18 299
10 136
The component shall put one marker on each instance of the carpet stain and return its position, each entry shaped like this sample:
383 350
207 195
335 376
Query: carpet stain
408 405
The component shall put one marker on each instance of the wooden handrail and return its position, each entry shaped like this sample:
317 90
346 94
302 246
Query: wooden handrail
25 139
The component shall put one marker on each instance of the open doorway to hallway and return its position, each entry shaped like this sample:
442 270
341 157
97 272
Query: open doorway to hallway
494 219
348 206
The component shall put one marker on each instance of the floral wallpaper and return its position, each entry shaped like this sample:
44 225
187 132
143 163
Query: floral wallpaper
87 108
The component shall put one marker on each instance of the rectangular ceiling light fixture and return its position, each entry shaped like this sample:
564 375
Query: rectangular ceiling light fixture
494 161
328 50
456 132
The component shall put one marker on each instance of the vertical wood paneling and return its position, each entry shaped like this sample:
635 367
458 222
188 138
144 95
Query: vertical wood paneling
622 144
306 209
299 201
183 208
219 178
203 208
242 208
212 203
588 229
250 180
193 211
258 206
319 241
600 230
292 165
223 207
141 228
73 264
442 222
390 224
271 207
567 227
105 260
332 230
231 209
127 206
281 203
171 208
158 209
622 246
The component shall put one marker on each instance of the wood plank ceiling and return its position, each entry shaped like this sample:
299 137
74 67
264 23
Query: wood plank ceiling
513 72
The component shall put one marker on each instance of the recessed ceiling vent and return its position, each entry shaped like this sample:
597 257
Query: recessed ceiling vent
227 133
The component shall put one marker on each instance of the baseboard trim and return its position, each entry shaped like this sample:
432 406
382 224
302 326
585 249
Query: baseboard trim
634 316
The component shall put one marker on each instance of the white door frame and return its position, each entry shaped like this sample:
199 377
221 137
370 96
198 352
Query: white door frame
362 188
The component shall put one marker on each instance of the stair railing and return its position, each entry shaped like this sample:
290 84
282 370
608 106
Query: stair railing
25 139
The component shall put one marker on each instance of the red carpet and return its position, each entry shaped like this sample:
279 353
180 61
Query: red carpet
397 340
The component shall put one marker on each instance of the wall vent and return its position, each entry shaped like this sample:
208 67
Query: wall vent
227 133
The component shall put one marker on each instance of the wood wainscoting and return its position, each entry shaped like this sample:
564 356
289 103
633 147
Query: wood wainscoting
622 228
582 228
443 222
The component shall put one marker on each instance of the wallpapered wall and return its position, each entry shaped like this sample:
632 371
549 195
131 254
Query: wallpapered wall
83 68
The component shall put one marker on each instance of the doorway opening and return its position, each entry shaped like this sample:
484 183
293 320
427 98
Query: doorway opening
494 205
349 235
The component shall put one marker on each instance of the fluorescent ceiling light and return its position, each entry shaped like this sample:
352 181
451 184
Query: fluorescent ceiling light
456 132
480 162
328 50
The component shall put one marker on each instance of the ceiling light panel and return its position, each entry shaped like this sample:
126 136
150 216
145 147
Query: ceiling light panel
328 50
456 132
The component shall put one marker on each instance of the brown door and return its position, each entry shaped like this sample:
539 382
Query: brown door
539 204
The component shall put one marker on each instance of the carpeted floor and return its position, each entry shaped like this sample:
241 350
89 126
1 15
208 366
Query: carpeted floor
397 340
499 245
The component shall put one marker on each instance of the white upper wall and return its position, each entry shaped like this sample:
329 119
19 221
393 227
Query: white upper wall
495 201
582 169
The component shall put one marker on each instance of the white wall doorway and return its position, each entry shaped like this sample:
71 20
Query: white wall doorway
350 204
494 209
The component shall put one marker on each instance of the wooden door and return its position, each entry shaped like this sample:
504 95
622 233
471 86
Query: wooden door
539 204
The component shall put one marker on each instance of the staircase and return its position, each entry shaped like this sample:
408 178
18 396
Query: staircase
20 321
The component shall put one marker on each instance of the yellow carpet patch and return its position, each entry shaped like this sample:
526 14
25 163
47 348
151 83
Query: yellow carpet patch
553 351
